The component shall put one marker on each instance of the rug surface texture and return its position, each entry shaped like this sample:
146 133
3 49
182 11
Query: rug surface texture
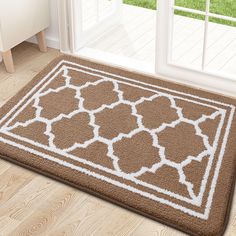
163 150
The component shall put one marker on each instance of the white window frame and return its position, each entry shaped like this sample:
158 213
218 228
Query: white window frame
225 83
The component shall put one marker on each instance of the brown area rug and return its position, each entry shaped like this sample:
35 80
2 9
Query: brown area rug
160 149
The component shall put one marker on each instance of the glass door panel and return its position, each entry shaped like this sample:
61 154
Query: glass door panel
203 36
188 37
93 17
221 47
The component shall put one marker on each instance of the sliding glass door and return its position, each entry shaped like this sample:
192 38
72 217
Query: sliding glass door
93 17
115 32
196 40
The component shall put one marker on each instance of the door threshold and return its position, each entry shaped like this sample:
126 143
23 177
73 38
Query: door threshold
116 60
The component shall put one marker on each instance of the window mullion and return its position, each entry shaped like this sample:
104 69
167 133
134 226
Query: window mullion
205 34
190 10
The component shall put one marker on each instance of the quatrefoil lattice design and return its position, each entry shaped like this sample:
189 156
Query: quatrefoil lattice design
140 134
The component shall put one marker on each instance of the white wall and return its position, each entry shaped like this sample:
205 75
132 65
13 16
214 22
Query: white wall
52 33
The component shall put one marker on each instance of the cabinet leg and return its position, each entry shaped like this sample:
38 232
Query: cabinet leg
41 41
8 61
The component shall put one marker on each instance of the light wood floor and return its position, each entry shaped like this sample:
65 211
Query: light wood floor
31 204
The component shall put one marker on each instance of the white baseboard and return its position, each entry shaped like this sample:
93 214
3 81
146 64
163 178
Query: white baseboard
51 42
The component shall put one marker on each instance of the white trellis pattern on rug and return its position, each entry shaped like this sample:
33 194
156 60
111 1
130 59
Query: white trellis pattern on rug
209 148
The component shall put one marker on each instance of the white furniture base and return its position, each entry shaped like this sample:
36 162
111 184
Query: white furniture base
8 61
7 55
19 21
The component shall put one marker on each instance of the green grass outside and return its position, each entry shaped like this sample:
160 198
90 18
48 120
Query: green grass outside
222 7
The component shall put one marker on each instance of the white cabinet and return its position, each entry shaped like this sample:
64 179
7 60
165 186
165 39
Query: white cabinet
20 20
